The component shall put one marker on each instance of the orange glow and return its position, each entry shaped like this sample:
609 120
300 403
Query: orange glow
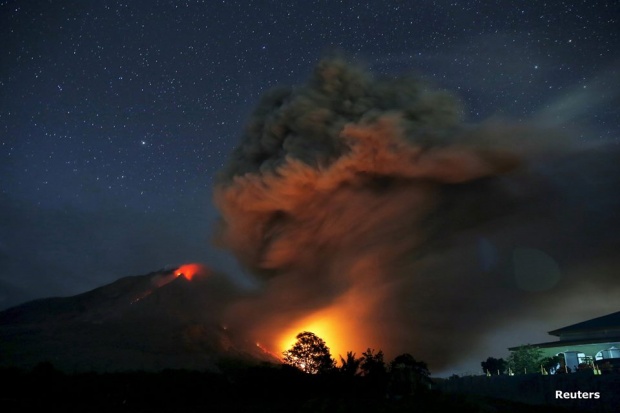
189 271
334 325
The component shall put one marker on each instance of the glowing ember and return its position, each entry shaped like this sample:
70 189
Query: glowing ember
189 271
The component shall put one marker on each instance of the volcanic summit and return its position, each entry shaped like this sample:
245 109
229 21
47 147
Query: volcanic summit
169 318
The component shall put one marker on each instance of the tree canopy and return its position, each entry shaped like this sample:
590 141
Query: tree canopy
494 366
350 365
525 359
372 364
309 354
418 368
408 375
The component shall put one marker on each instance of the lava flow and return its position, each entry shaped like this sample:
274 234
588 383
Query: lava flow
189 271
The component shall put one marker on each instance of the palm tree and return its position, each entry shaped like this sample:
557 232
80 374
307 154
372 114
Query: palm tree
350 365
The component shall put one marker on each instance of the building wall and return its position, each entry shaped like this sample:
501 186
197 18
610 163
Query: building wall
589 350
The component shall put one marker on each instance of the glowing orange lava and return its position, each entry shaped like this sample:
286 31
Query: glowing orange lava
189 271
335 325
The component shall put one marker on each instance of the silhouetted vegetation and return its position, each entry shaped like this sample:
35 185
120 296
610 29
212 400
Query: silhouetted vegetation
494 366
408 376
373 366
351 365
310 354
239 387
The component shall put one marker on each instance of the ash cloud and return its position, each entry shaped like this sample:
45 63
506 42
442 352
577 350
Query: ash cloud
374 199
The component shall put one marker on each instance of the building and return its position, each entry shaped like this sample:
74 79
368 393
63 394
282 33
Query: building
593 341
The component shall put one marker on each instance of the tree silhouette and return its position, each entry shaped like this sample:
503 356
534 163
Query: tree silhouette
350 365
408 376
373 364
309 354
418 368
494 366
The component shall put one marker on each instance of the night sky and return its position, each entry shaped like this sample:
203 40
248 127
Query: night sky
116 116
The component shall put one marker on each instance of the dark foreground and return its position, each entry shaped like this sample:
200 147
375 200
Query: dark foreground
246 389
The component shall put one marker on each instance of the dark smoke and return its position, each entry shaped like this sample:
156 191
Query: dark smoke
373 198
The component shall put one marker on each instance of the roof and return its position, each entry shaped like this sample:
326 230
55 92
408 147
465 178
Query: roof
576 342
609 321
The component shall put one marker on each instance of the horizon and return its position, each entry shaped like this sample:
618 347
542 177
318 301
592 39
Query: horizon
438 179
467 367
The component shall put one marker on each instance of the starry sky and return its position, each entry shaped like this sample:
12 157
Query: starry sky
116 116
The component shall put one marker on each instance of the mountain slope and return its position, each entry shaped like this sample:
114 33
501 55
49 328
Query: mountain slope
148 322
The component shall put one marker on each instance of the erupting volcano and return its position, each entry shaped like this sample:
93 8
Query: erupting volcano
371 214
145 322
189 271
374 216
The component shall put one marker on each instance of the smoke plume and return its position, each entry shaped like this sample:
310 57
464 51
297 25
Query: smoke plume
370 205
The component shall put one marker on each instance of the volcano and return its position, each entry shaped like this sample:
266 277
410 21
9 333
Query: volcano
168 319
